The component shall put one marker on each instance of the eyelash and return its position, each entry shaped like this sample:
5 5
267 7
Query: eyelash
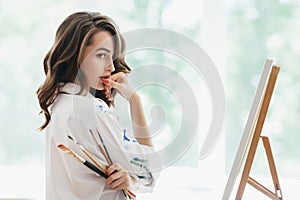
101 54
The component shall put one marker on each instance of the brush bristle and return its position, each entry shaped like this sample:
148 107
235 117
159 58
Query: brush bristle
62 147
70 137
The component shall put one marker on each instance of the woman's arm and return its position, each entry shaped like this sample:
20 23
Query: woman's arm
139 123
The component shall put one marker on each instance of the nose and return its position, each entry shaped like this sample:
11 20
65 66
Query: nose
110 67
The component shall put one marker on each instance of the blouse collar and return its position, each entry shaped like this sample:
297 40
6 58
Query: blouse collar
73 88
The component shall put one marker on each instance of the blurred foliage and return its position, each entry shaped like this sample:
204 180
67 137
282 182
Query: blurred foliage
26 35
258 30
255 30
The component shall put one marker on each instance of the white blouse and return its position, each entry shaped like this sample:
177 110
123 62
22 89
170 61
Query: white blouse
66 178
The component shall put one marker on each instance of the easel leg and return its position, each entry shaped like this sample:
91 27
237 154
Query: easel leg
271 162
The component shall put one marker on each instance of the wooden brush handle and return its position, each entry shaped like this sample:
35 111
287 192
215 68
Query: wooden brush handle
95 169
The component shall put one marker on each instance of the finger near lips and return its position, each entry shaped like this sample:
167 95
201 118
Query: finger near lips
107 92
117 76
113 78
110 83
105 81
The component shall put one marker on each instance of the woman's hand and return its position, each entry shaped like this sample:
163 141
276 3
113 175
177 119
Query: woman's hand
139 123
119 178
120 83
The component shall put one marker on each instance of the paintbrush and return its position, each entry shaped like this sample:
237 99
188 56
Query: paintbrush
90 166
87 153
107 157
82 160
100 148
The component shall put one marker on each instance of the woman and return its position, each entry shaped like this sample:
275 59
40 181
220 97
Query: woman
87 57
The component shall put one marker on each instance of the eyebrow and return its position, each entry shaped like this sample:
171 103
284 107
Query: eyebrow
104 49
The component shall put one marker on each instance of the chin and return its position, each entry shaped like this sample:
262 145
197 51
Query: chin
100 87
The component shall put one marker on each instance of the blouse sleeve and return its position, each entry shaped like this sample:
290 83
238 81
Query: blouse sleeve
142 165
66 177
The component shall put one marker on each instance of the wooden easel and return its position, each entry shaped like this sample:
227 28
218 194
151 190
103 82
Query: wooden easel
277 194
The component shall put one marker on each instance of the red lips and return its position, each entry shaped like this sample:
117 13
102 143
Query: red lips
104 77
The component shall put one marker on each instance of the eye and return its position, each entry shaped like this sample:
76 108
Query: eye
101 55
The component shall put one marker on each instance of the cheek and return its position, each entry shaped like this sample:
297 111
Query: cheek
92 69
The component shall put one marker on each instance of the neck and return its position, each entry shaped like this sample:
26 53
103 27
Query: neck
100 95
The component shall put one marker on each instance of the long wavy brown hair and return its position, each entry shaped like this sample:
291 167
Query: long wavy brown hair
62 62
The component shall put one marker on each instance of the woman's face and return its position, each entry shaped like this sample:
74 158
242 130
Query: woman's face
98 59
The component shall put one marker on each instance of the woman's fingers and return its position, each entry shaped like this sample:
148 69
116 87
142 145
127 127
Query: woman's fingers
119 180
120 83
107 92
109 84
113 167
113 80
118 177
115 176
118 77
120 185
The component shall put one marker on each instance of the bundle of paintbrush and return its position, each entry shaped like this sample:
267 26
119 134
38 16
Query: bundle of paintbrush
98 167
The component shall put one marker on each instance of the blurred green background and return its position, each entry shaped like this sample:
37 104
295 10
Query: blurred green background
254 31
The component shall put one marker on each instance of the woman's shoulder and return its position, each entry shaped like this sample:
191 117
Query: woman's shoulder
81 106
69 100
